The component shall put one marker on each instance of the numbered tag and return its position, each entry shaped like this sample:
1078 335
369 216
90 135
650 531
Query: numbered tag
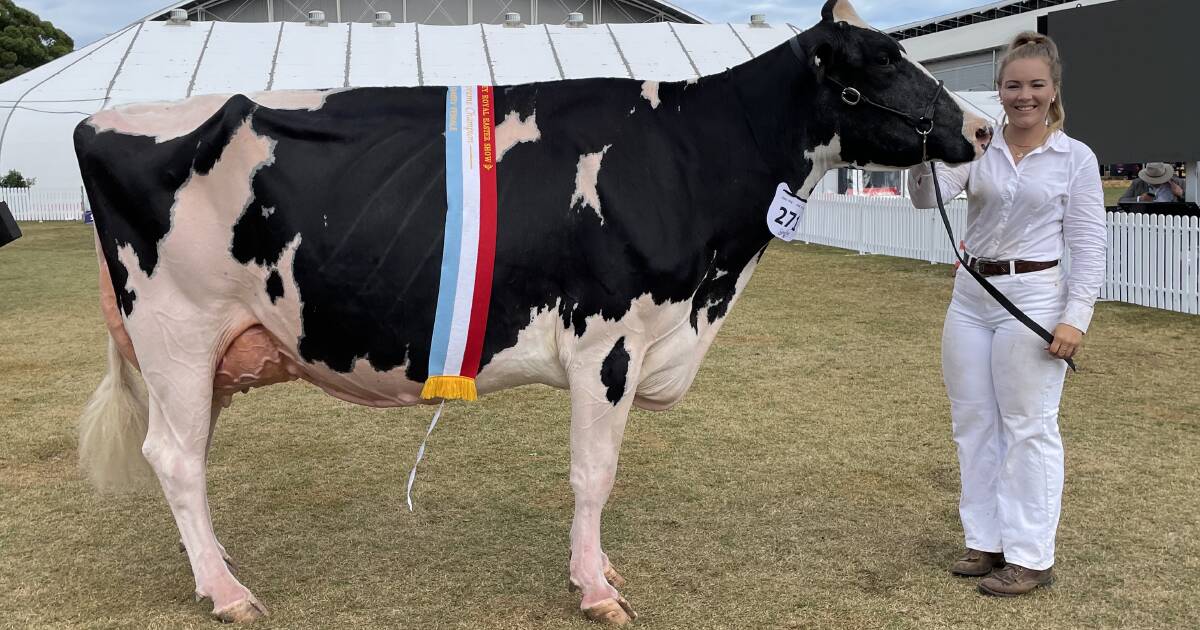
785 214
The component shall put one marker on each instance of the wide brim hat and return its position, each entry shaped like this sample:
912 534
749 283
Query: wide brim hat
1156 173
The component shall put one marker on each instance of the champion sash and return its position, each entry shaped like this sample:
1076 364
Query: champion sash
469 252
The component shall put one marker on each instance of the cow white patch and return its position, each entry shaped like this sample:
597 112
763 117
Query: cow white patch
310 100
650 93
824 158
514 131
586 176
169 120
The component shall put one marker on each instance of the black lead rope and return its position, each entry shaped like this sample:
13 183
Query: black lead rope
987 286
923 125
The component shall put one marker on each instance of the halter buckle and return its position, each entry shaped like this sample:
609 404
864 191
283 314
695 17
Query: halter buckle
924 121
851 96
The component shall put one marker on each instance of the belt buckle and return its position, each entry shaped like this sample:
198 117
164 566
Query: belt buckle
977 265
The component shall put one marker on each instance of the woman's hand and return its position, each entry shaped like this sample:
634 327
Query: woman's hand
1067 340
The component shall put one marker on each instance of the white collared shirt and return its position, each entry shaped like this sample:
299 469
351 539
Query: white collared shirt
1029 211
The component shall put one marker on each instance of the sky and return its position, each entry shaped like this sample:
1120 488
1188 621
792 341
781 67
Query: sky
88 20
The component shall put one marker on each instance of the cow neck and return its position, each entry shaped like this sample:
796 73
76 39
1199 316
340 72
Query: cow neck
774 92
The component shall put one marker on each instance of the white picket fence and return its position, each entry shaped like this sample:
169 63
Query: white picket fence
44 204
1153 260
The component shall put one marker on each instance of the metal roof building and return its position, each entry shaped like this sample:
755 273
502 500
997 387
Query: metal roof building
434 12
163 60
963 48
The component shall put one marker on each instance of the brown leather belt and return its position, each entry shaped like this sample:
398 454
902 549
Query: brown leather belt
1005 267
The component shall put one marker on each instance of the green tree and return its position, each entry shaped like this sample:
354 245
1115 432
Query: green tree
27 41
14 179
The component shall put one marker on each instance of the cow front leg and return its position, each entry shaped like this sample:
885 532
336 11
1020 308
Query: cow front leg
176 446
600 403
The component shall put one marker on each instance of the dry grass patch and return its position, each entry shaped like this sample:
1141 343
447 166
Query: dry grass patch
808 481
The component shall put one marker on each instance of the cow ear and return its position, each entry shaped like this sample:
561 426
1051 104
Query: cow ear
817 47
821 57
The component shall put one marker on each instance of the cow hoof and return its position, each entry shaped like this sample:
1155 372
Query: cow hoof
611 611
244 611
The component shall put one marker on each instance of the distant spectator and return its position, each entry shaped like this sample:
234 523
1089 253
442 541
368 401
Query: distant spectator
1155 182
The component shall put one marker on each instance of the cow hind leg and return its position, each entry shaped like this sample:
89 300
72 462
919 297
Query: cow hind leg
217 405
181 416
598 416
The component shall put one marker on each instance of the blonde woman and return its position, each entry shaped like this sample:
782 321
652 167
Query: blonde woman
1035 193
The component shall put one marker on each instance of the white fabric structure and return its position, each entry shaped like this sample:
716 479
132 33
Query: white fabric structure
157 61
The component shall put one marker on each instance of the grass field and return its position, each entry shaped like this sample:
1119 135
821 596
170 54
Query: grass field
808 481
1112 195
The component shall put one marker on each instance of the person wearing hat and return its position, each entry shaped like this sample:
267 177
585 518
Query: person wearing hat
1155 182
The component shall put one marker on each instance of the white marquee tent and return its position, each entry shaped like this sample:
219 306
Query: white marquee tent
158 61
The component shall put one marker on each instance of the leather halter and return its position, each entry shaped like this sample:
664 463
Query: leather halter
851 96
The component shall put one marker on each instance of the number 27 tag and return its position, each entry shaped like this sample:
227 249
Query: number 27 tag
785 214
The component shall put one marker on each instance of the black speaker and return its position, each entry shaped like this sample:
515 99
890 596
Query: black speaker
9 231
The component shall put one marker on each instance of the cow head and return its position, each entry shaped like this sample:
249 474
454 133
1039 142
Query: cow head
874 107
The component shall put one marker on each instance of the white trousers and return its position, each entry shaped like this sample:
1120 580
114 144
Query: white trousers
1004 391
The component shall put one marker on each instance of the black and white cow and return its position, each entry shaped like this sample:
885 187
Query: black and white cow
246 241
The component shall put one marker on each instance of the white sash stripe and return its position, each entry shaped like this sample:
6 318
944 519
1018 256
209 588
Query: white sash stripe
469 251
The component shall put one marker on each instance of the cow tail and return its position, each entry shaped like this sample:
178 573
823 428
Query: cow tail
113 427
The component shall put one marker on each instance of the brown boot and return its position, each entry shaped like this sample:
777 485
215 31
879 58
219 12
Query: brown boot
1014 580
976 563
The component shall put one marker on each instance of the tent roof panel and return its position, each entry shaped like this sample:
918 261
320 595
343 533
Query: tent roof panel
713 50
395 44
311 57
237 59
160 65
519 58
587 52
653 52
453 55
760 39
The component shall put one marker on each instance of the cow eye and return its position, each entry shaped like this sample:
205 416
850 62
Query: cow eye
883 59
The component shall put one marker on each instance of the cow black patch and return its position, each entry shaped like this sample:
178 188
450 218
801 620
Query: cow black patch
614 371
274 286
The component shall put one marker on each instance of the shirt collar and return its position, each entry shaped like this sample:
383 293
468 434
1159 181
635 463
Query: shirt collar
1059 141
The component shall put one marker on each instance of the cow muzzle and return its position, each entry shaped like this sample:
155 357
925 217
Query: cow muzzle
978 132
